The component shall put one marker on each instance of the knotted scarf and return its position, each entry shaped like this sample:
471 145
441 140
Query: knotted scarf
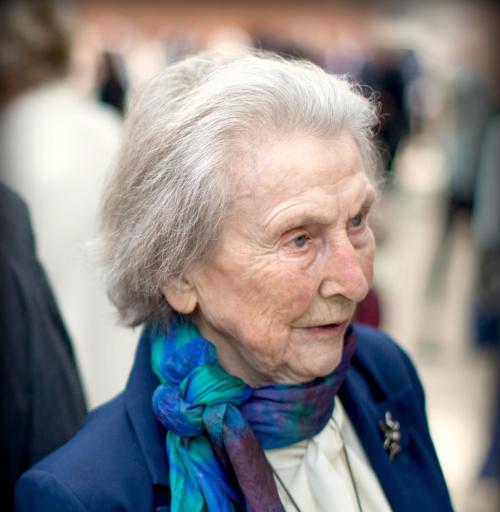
217 426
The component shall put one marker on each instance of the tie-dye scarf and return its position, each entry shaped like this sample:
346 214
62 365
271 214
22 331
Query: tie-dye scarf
218 426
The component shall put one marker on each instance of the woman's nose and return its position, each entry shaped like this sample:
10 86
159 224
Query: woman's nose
347 272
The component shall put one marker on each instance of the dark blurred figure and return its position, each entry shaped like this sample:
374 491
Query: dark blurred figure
42 400
56 146
112 80
388 74
286 48
486 228
473 110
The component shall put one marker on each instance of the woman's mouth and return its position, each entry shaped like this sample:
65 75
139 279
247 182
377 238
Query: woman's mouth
332 329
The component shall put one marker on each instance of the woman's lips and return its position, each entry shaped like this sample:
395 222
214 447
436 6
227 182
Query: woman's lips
332 329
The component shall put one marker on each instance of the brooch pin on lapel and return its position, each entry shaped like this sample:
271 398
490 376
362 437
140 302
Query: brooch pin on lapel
392 435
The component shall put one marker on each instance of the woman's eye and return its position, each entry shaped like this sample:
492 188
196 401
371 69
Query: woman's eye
299 242
357 220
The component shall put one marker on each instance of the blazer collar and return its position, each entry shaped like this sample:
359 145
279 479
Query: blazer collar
149 431
366 401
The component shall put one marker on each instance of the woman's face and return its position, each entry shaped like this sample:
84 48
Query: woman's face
294 259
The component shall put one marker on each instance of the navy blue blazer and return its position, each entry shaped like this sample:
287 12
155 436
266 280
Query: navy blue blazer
117 460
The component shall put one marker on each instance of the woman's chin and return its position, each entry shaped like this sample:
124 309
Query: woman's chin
316 370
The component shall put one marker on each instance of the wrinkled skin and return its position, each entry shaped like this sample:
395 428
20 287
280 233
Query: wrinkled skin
294 259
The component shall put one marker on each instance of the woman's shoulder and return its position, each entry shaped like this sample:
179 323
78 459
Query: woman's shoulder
97 469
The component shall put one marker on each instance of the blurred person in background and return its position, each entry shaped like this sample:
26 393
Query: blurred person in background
42 400
112 80
486 230
387 74
56 146
473 109
235 230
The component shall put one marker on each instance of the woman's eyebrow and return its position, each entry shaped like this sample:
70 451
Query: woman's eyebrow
370 198
305 220
303 217
285 222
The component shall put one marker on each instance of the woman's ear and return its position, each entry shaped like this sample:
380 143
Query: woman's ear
181 294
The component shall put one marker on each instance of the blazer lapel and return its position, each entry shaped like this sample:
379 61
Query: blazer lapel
366 414
148 430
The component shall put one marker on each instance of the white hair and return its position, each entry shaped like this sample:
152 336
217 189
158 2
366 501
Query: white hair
166 202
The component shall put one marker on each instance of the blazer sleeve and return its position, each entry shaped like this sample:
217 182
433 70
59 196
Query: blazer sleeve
40 491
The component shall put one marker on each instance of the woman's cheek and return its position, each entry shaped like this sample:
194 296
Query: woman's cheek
297 294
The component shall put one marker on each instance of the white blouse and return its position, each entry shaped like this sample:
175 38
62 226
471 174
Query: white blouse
316 472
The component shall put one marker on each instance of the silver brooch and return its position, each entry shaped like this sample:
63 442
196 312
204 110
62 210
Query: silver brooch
392 435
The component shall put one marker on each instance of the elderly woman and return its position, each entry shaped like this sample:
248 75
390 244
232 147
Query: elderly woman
236 231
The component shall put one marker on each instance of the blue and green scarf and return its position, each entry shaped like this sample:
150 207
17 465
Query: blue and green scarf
217 426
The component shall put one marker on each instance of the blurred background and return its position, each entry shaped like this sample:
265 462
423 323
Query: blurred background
434 68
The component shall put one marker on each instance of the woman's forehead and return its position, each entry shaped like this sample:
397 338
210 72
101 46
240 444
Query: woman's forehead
293 166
